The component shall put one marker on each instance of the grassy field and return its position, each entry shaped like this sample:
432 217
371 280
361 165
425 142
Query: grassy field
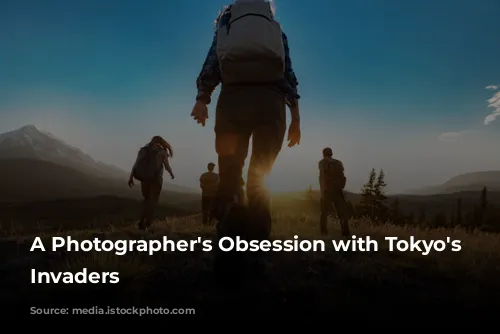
77 214
326 282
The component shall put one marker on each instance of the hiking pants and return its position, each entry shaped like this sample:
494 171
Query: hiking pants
207 203
335 198
151 193
242 113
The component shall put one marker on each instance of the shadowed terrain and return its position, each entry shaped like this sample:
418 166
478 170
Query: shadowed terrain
300 282
52 189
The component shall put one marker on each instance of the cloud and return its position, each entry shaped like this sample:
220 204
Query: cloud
453 135
492 87
493 103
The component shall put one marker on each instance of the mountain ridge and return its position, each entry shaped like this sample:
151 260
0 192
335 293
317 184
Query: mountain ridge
31 180
471 181
30 142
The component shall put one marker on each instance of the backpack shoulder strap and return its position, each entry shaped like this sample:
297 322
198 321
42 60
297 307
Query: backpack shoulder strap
338 164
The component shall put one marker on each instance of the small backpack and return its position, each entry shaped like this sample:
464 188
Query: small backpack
147 168
334 174
250 47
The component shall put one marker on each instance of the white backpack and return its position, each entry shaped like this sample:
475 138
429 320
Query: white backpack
250 47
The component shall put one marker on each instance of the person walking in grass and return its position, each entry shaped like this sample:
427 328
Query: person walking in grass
209 182
332 182
250 58
151 160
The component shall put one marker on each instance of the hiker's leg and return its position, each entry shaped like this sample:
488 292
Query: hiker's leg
210 209
232 149
266 144
204 209
154 196
342 212
145 190
232 135
325 204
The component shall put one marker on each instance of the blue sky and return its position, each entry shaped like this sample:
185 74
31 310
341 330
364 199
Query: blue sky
388 84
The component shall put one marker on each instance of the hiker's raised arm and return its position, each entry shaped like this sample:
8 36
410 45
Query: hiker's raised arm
166 164
209 77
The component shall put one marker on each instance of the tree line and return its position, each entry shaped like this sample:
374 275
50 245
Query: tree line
375 205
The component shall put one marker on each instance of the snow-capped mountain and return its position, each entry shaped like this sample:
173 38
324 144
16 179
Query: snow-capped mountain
29 142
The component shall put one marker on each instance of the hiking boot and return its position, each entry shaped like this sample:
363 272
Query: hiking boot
142 226
323 229
344 228
230 266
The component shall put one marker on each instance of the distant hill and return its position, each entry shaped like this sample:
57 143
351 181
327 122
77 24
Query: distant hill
25 180
28 142
432 204
474 181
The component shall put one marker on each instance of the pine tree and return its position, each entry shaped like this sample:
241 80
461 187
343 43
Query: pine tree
421 216
453 220
484 200
459 216
483 207
439 220
379 187
368 195
368 189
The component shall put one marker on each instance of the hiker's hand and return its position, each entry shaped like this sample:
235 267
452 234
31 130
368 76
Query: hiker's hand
294 133
200 113
131 182
172 176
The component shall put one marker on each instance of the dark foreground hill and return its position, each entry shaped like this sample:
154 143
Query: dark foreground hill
381 288
78 213
29 180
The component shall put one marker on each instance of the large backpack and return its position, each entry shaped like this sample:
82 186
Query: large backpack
147 168
250 47
334 174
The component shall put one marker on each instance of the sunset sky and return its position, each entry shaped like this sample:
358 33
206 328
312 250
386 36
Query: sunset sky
412 87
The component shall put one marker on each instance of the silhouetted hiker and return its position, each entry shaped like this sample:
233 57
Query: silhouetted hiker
148 169
209 182
250 57
332 183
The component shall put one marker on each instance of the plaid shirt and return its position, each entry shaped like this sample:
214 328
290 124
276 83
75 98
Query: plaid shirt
210 75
